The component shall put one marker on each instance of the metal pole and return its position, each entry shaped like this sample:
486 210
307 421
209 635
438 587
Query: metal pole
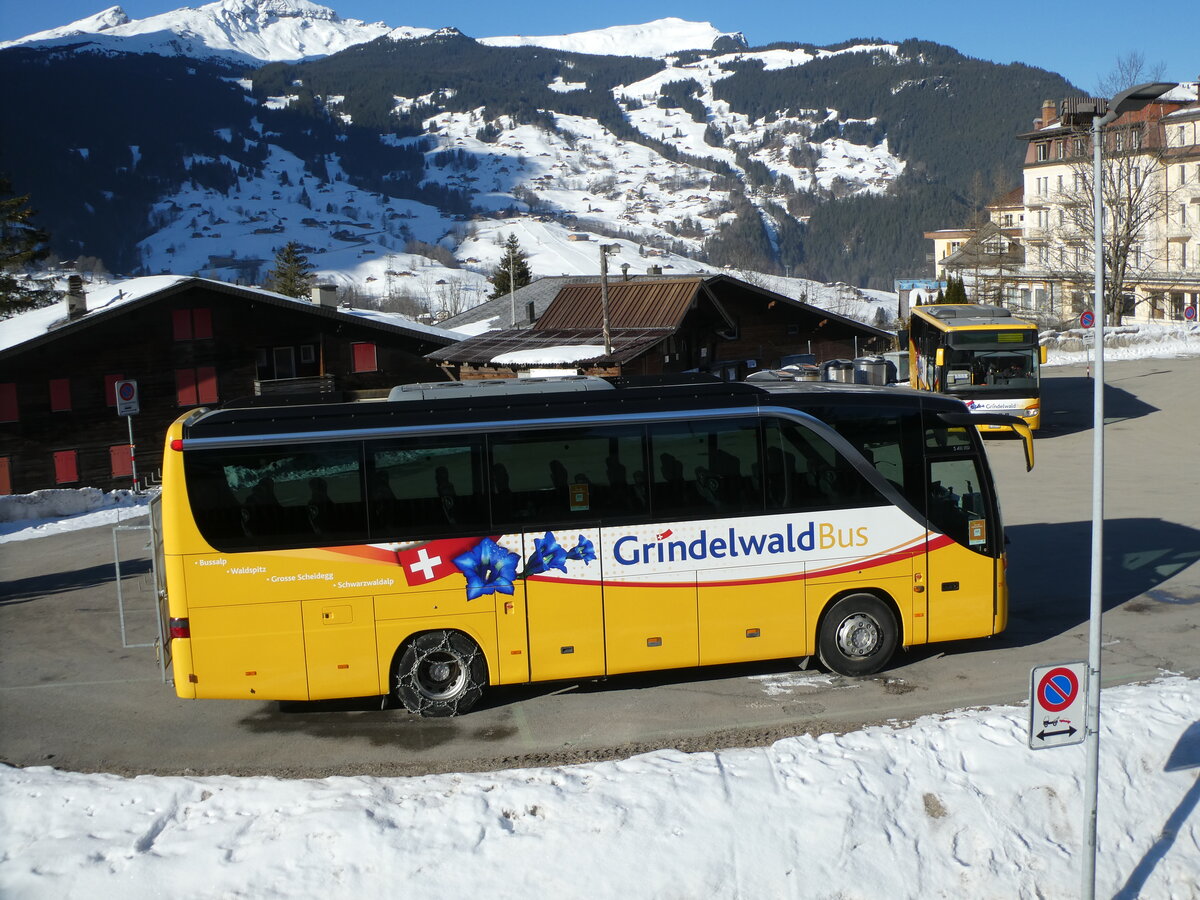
1092 719
132 454
512 301
604 248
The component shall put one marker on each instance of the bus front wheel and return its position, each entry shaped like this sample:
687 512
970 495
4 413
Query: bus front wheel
440 673
858 635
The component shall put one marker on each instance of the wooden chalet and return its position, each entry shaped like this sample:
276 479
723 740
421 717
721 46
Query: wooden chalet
187 342
714 324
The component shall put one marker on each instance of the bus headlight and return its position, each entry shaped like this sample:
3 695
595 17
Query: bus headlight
1031 412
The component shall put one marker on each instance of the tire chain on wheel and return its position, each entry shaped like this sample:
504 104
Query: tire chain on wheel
409 679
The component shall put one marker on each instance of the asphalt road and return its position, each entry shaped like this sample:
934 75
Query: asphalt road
72 697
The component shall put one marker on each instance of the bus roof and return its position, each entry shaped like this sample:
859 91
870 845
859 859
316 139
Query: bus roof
947 316
622 396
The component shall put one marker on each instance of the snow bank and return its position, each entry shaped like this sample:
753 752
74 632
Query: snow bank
33 515
1123 342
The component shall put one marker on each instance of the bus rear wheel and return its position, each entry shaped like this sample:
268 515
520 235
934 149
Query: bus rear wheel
858 635
440 673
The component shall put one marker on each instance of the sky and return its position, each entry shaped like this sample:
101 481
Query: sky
1080 39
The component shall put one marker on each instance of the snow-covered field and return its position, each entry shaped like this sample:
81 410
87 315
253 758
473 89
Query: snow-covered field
948 806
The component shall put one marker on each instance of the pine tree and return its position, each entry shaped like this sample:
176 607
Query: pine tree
956 291
22 245
513 268
292 274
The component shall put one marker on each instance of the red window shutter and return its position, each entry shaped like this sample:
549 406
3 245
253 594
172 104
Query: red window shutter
65 469
185 387
202 323
206 385
5 475
110 388
60 394
121 460
181 320
8 403
364 357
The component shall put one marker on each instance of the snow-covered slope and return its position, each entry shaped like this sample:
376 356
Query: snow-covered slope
661 37
247 31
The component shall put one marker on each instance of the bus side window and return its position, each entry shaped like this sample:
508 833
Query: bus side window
426 487
705 468
806 472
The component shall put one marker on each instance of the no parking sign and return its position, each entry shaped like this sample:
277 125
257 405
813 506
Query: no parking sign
1057 702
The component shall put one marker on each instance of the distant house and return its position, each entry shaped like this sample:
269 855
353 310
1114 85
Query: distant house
714 324
187 342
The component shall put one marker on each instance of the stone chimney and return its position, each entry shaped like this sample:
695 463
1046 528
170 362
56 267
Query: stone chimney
653 270
76 299
325 295
1049 114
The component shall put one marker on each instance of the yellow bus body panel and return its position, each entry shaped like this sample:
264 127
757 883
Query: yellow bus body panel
339 645
752 620
566 629
962 594
649 627
251 651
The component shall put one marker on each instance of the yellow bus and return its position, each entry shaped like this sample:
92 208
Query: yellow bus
477 534
980 354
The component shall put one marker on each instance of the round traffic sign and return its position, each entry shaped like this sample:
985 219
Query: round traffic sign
1087 319
1189 313
127 391
1058 689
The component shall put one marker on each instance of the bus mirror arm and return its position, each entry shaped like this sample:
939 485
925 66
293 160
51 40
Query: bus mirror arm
1016 423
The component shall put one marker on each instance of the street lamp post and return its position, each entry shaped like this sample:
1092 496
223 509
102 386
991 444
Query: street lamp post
1127 101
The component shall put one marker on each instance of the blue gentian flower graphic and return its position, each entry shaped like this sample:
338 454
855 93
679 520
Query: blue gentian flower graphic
547 554
488 568
584 550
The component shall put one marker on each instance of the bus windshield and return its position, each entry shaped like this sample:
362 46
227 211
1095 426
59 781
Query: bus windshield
972 370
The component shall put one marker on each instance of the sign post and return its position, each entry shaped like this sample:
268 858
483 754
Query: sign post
129 406
1087 319
1057 702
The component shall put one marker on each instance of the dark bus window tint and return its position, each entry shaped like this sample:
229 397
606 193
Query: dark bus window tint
263 497
578 474
420 488
956 503
705 469
804 471
948 439
889 439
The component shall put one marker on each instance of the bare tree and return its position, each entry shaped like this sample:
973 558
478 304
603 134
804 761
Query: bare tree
1127 71
1136 197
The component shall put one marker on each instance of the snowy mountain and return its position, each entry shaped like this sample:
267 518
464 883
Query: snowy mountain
245 31
402 163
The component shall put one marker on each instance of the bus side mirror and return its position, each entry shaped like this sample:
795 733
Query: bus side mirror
1042 353
939 358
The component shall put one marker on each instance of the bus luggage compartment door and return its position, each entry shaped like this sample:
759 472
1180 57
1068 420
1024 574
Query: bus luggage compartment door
339 647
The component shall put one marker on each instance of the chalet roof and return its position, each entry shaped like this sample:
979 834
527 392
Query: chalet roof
36 327
631 304
497 314
974 252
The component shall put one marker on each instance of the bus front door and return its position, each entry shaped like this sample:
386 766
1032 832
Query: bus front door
961 562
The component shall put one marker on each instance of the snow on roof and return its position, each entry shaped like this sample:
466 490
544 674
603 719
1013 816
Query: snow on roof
105 297
562 353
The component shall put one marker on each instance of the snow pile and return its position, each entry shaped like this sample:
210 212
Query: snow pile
34 515
661 37
953 806
1123 342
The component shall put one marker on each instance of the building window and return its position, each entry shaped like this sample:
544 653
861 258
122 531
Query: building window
1119 141
1060 149
196 387
192 324
121 460
308 354
66 469
1182 213
285 362
1043 152
110 388
363 357
8 403
60 394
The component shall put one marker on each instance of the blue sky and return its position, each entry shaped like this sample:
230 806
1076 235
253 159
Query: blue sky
1080 39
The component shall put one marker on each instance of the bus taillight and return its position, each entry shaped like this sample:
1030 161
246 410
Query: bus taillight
180 628
177 444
